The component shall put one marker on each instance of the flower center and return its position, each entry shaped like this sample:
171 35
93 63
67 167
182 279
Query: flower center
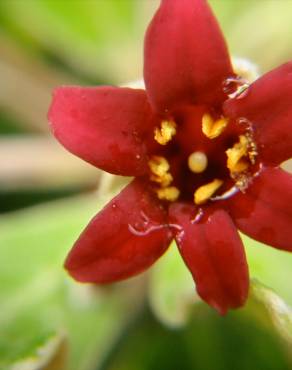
218 158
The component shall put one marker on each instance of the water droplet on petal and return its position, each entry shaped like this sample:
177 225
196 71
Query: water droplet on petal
235 87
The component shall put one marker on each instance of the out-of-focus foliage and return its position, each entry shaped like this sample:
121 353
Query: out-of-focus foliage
46 318
94 38
208 342
38 299
102 40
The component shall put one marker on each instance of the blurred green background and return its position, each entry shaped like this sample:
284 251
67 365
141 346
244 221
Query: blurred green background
47 196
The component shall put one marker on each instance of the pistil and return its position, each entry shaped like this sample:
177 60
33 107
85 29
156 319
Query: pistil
197 162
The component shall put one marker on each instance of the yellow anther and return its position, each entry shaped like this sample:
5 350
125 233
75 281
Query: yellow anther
170 193
197 162
211 128
205 192
163 180
236 162
165 133
159 167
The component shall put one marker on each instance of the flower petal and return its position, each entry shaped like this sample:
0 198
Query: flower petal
186 59
124 239
264 211
267 104
105 126
213 251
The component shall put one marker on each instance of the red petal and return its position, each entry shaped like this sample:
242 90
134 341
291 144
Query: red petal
213 251
264 211
186 59
267 104
124 239
105 126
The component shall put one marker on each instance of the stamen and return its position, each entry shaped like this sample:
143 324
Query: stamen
165 133
170 193
205 192
159 167
197 162
211 128
163 180
235 161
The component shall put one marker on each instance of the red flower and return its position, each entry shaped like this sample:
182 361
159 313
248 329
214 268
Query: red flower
205 156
